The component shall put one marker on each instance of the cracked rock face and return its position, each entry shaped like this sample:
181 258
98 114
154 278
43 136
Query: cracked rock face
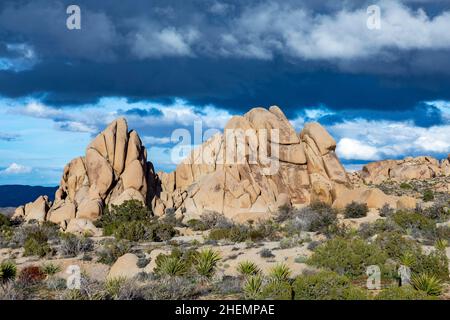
231 174
114 170
420 168
256 165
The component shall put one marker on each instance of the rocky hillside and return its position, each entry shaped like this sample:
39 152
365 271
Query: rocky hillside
259 164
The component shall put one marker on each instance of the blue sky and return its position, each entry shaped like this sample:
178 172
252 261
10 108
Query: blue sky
167 64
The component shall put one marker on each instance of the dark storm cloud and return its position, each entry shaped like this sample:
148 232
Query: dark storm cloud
158 50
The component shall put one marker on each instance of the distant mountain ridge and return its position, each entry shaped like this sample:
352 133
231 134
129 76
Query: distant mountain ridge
17 195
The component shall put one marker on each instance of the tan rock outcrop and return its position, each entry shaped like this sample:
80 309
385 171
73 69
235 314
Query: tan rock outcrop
114 170
125 267
403 170
257 165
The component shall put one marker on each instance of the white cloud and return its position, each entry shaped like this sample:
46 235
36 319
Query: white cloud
150 42
372 140
15 168
356 150
155 140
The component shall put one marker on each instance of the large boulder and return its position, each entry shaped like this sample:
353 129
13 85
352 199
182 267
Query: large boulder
114 170
125 267
257 165
420 168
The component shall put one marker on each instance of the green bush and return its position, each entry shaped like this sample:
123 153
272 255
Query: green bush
348 257
435 263
401 293
50 269
112 250
326 285
242 233
395 244
8 271
4 221
197 225
405 185
36 247
276 290
413 220
356 210
428 195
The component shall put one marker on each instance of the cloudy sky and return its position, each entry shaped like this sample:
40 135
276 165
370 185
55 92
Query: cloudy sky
382 92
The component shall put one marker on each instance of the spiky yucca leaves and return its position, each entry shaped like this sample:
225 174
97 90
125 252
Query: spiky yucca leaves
441 244
280 272
407 259
205 262
248 268
50 269
171 266
252 287
427 283
8 271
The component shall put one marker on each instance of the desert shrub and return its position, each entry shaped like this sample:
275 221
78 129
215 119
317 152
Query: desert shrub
276 290
12 290
205 262
367 230
347 257
386 210
428 283
8 271
197 225
439 211
284 213
242 233
435 264
395 244
4 221
248 268
355 210
413 221
36 247
405 185
50 269
266 253
123 289
171 288
72 245
112 250
326 285
228 285
317 217
428 195
252 287
213 219
441 244
134 222
31 275
90 289
280 273
401 293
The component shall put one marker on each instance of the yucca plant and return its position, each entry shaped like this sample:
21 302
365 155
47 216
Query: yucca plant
113 285
205 262
252 287
407 259
172 266
280 272
50 269
427 283
441 244
248 268
8 271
